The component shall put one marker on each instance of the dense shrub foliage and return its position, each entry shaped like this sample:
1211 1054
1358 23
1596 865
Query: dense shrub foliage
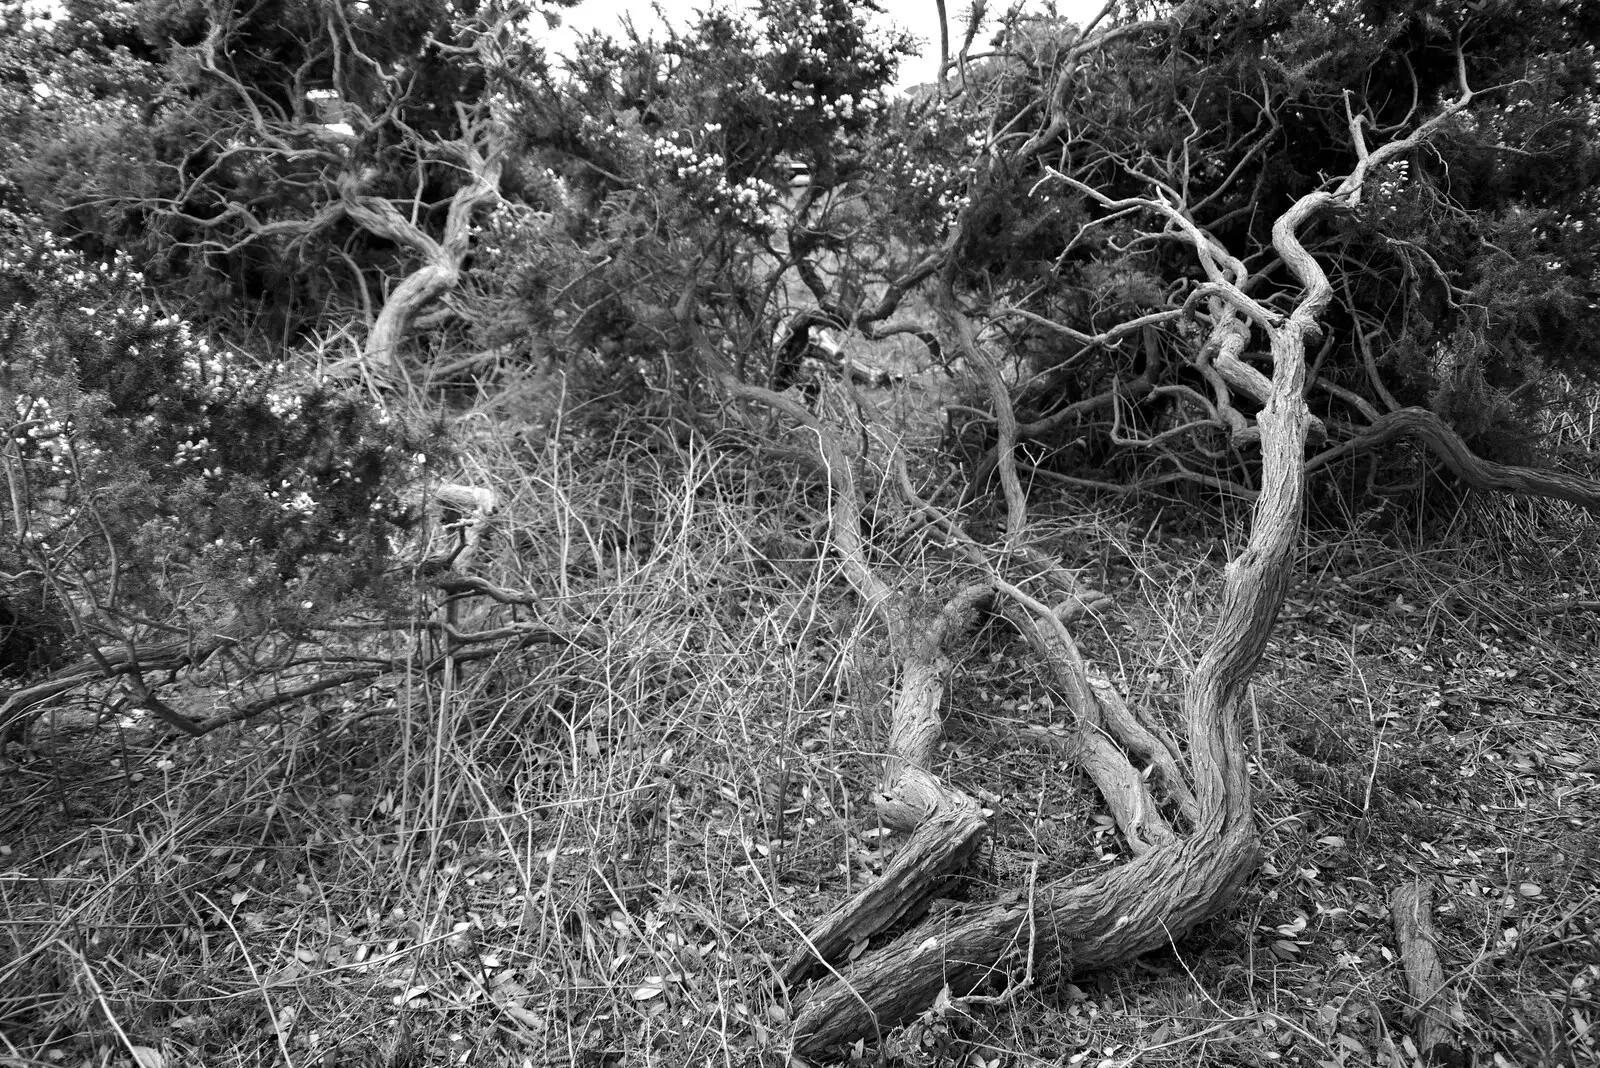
1463 276
154 475
208 142
663 167
646 192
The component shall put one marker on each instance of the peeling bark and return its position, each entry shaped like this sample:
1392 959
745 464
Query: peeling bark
921 871
945 825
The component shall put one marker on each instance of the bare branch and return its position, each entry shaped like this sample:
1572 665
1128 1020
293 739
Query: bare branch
1125 790
1475 471
1107 338
1005 415
845 514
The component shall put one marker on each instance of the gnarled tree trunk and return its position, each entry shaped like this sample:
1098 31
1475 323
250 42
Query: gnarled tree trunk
480 151
1179 877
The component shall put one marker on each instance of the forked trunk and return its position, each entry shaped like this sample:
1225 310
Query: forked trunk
1175 882
1065 926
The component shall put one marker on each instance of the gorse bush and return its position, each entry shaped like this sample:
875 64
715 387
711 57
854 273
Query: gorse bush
660 168
154 477
1462 276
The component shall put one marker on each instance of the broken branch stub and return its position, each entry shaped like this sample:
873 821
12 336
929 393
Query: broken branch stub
1433 1020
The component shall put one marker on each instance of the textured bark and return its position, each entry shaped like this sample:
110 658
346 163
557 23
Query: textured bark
1130 910
960 327
1147 743
1410 908
1101 743
1475 471
945 825
1176 883
922 870
442 260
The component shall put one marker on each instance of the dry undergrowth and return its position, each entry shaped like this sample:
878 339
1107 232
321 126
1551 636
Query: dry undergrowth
601 854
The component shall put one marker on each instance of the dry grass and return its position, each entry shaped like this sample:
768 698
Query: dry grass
599 854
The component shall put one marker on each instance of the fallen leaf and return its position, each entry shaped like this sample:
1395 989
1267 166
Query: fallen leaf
145 1057
411 995
527 1019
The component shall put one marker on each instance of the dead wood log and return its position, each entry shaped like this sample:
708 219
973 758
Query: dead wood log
1410 908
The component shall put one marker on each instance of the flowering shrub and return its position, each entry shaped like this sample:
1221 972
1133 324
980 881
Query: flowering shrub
929 169
155 477
677 161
